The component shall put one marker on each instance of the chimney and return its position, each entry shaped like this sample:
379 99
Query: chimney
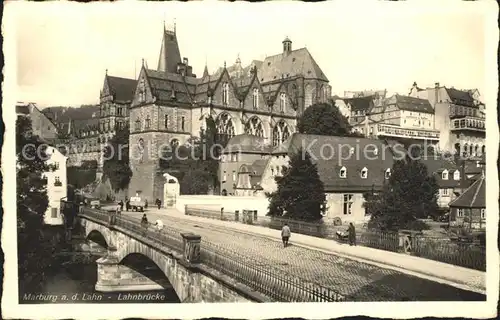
436 85
185 61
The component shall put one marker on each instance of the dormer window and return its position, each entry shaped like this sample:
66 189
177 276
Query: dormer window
387 173
225 93
142 91
364 173
444 175
255 98
282 102
343 173
456 175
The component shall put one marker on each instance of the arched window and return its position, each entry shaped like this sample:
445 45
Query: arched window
444 175
255 98
387 173
147 123
225 93
483 150
225 127
142 90
465 150
456 175
343 173
476 150
137 125
364 173
254 127
308 96
280 133
282 102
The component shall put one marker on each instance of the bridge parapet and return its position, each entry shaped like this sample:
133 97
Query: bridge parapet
235 270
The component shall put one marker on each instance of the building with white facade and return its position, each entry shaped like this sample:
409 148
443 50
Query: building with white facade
56 185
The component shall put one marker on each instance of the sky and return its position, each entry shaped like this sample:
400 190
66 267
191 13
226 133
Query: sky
63 50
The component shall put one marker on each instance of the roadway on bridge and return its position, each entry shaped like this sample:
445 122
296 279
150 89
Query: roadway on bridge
361 281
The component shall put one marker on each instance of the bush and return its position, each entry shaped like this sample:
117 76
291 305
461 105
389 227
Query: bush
417 225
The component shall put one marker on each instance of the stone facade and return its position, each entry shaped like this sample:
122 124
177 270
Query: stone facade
170 105
189 284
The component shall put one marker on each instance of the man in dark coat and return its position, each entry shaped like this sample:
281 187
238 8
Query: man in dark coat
352 234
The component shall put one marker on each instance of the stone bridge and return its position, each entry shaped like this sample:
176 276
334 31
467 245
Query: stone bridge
191 280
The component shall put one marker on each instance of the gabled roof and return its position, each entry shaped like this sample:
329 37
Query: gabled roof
411 104
461 97
258 166
329 165
295 63
165 85
474 197
123 89
360 103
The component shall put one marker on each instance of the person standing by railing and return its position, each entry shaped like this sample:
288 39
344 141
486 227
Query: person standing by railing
285 235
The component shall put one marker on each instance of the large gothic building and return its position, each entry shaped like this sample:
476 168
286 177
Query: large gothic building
170 104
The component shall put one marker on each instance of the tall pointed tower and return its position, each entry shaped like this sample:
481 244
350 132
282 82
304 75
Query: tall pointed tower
170 55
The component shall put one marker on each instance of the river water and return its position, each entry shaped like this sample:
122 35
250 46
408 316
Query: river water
73 281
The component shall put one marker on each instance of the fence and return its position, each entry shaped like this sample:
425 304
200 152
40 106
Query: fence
460 254
245 269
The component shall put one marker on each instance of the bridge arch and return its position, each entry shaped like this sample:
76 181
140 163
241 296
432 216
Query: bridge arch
145 266
97 237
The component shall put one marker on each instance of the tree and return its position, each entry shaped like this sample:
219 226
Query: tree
410 194
33 252
195 163
324 119
116 165
290 200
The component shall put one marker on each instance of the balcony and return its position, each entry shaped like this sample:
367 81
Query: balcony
468 123
396 131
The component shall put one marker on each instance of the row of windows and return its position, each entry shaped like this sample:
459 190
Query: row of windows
445 175
363 174
255 98
461 213
110 110
462 111
147 123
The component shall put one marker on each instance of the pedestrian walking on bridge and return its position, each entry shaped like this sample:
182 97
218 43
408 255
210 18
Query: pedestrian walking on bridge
285 235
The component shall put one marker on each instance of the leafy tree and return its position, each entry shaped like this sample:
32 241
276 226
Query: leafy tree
324 119
116 165
290 200
195 163
33 251
410 194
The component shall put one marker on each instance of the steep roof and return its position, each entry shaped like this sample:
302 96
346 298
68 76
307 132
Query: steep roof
461 97
412 104
166 85
170 54
474 197
295 63
360 103
258 166
123 89
436 167
329 163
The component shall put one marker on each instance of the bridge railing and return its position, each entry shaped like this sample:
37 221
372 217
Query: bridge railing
263 278
257 275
